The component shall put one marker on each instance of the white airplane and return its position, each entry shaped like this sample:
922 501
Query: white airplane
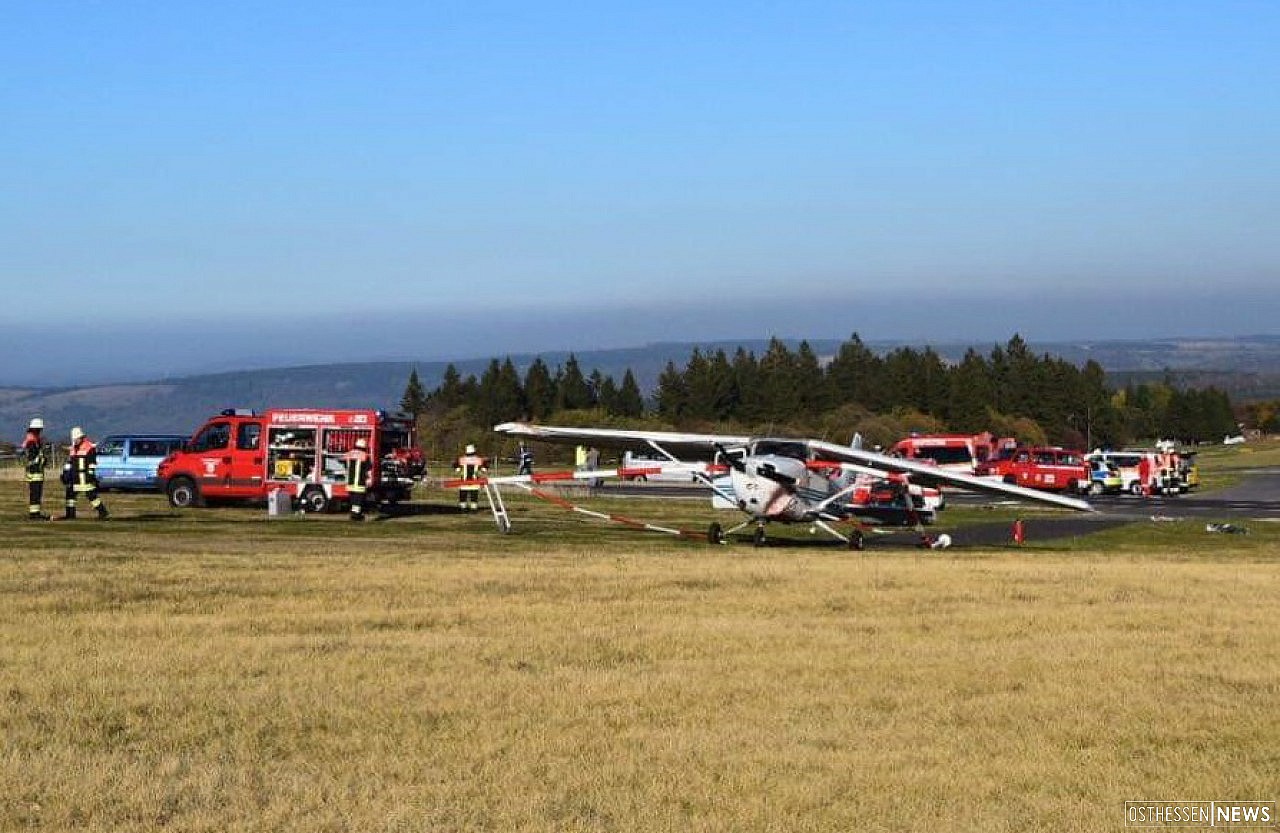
779 479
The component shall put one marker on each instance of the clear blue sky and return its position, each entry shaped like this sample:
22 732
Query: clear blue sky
766 162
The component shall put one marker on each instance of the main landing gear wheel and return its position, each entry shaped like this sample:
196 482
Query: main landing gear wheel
715 535
856 541
757 537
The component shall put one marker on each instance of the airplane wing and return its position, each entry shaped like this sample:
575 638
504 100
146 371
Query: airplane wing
665 441
540 478
620 437
932 475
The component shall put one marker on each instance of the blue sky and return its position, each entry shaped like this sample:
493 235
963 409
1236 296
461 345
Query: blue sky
774 166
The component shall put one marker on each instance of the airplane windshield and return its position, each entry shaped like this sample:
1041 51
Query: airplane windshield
795 450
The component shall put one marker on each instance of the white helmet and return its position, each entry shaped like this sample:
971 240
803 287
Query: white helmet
362 443
470 449
37 424
77 434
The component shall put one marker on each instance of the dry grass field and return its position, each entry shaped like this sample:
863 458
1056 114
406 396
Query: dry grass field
213 670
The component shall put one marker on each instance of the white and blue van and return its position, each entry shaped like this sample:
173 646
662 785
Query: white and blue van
128 461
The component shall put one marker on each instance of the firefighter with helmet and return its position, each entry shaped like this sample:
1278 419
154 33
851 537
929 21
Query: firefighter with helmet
359 477
470 466
35 461
80 475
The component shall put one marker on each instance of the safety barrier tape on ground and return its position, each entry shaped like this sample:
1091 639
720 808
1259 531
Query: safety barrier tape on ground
527 481
608 516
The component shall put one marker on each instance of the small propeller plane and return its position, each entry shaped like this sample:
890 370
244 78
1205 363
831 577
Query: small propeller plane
782 480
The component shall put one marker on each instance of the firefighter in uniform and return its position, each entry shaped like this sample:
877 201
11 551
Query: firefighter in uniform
470 466
80 475
34 458
359 477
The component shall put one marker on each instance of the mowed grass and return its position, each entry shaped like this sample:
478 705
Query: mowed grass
214 670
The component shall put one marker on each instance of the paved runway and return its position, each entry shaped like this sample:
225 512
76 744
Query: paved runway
1256 497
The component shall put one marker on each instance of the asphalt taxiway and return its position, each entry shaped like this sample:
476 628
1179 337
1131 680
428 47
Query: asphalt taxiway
1256 497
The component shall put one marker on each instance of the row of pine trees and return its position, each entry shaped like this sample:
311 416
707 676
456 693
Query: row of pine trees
1011 391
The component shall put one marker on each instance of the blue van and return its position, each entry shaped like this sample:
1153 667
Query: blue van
128 461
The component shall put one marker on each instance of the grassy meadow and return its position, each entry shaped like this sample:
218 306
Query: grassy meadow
215 670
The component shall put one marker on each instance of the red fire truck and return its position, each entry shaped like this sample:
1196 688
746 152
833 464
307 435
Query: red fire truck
954 452
244 455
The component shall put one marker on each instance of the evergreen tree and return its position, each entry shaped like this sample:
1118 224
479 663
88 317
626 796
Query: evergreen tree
539 390
853 376
726 396
629 403
935 384
700 388
779 389
607 394
499 398
808 382
672 395
453 391
414 400
904 380
747 382
970 394
572 390
1021 386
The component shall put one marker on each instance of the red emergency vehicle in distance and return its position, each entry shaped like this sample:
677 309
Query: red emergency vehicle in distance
954 452
244 455
1051 469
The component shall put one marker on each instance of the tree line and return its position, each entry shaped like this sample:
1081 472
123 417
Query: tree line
1010 391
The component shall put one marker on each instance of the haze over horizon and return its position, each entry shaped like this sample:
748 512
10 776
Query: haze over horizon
192 186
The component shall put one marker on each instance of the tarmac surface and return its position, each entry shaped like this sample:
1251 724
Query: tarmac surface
1255 498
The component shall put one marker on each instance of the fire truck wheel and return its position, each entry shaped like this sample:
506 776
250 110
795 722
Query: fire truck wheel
314 500
1135 488
183 493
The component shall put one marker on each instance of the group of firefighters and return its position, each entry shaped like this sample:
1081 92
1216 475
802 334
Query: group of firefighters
79 474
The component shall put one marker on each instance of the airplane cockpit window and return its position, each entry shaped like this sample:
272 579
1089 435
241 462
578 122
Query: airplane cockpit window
795 450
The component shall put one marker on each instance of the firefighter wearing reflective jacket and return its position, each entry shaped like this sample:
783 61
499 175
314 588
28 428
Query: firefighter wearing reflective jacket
470 466
359 477
34 459
80 475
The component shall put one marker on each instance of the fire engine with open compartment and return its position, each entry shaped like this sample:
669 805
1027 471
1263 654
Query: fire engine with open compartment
245 455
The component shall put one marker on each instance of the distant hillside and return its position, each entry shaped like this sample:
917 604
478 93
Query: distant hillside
1247 368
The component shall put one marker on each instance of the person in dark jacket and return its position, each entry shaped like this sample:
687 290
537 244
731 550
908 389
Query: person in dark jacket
35 461
359 478
80 475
